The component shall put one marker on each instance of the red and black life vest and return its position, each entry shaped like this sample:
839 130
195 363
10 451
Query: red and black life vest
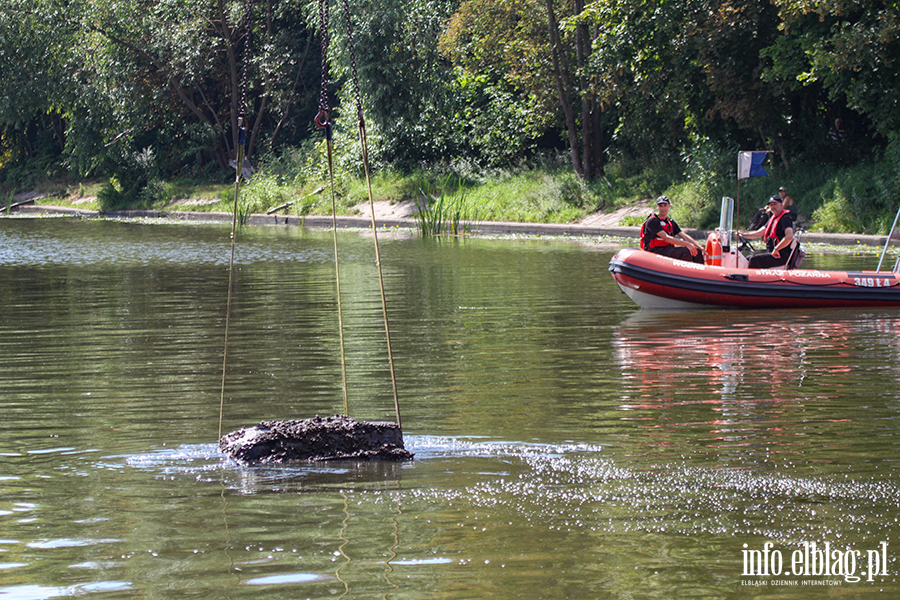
667 225
771 232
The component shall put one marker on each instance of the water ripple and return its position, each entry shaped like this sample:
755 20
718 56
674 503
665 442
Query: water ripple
41 592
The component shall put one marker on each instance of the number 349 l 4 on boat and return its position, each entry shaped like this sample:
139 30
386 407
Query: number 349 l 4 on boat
659 282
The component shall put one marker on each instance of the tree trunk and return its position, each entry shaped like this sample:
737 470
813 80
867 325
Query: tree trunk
564 87
582 51
585 133
597 138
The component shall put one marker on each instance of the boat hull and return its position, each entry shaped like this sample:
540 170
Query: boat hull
655 281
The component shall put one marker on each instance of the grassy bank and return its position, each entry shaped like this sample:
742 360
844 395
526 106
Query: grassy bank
858 199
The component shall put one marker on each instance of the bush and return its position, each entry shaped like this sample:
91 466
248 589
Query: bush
133 172
861 199
858 200
264 191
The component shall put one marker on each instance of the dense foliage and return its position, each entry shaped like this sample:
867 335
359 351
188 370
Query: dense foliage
637 96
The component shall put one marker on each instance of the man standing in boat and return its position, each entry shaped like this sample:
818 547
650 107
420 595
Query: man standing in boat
662 235
777 234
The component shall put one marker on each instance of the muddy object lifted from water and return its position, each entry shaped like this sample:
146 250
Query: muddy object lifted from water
320 438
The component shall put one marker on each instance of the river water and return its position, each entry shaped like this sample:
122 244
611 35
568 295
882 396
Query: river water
568 445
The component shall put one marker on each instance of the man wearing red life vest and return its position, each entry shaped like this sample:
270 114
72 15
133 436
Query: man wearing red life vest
662 235
777 234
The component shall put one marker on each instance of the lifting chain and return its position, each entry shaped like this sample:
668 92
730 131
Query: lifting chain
323 120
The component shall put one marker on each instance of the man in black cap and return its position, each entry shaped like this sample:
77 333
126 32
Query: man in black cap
662 235
777 234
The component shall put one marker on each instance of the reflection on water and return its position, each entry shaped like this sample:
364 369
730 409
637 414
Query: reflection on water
782 381
567 444
31 242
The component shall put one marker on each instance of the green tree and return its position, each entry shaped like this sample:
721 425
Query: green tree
522 73
643 66
34 49
854 50
172 57
576 85
502 66
407 101
181 72
850 51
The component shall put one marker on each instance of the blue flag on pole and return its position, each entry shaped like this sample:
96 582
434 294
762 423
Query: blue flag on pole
750 164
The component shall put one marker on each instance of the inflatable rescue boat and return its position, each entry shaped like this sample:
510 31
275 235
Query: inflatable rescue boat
656 281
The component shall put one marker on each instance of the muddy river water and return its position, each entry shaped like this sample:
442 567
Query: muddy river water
568 445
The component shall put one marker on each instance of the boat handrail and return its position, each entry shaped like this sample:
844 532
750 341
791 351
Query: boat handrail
887 243
795 247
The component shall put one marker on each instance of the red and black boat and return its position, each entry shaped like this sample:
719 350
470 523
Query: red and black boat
655 281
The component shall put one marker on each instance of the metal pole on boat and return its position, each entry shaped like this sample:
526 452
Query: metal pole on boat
887 242
726 225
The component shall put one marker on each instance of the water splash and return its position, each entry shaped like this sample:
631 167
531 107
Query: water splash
572 486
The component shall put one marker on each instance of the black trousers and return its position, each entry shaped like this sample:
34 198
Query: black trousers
767 261
679 253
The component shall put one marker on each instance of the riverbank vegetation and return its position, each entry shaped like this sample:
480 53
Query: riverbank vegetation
524 110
